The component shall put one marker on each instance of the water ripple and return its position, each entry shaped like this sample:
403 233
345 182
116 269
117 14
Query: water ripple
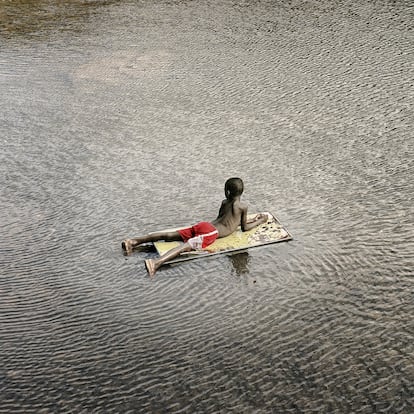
117 118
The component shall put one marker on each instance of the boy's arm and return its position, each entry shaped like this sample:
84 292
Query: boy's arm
252 223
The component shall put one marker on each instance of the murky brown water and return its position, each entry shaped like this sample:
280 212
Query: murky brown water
121 117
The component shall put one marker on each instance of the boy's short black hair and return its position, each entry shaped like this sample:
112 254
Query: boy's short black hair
234 187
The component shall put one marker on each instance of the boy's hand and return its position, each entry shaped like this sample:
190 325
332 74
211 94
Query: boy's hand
262 218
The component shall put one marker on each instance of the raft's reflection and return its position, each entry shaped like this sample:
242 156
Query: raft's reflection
240 262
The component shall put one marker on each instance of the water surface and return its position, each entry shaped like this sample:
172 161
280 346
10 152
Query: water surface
122 117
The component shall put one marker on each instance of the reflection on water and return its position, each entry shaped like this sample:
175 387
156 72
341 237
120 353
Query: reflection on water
121 117
240 262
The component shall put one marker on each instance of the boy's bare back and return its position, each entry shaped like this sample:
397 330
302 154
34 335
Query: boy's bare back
233 212
230 216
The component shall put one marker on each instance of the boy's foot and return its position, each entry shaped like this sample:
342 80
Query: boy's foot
150 265
127 246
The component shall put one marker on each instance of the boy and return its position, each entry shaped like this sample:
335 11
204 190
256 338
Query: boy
232 213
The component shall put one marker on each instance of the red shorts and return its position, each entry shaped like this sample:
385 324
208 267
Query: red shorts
200 235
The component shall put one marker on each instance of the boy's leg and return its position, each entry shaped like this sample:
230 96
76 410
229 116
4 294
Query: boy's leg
129 244
153 265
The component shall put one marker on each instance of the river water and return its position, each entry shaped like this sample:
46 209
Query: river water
123 117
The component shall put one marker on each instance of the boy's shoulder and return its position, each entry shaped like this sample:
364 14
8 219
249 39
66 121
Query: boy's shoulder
234 204
240 205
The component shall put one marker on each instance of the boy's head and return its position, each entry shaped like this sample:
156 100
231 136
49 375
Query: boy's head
233 188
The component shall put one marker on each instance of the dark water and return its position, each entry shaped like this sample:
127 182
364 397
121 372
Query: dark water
123 117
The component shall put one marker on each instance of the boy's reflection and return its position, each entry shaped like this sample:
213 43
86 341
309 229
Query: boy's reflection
240 262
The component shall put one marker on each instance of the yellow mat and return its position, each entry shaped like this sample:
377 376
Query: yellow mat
267 233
